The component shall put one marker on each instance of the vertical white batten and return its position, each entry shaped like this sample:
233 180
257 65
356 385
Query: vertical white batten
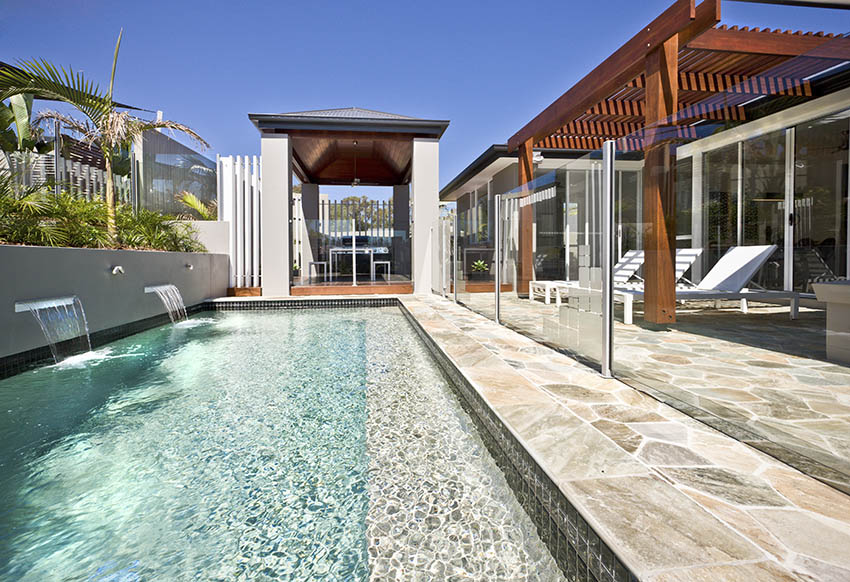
240 224
255 218
226 212
249 225
218 190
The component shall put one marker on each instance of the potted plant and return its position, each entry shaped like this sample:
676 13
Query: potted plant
480 271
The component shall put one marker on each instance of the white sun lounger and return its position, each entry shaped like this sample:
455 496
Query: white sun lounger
623 271
726 280
632 261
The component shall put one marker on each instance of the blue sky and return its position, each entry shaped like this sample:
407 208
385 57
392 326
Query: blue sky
489 67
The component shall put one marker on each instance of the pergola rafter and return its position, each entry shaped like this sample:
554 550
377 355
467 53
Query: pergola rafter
712 82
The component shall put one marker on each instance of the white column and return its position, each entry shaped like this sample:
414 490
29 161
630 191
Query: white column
276 202
424 185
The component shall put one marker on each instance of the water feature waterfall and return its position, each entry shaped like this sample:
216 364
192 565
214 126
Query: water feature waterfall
63 322
171 298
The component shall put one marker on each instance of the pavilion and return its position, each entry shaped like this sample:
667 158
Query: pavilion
350 146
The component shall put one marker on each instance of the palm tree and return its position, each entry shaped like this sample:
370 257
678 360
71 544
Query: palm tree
104 126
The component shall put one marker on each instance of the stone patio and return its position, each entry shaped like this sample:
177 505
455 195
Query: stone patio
675 499
759 377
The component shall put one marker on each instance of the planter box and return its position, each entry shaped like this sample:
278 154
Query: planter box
480 276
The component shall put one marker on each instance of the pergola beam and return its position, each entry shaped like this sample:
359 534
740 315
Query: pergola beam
620 68
772 42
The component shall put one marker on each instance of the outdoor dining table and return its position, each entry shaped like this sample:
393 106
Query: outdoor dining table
354 251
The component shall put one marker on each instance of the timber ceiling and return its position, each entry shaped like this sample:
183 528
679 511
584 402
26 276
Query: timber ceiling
382 161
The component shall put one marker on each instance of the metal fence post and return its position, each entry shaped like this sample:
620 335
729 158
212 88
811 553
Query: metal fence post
454 257
607 257
497 234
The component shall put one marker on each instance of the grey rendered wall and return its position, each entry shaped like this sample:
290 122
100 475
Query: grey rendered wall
28 273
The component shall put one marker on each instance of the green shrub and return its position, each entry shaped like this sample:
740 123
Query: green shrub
37 216
146 229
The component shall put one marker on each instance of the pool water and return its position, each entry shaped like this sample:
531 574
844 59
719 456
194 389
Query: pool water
289 445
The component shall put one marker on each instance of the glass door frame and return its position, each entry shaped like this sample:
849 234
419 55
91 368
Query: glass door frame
761 128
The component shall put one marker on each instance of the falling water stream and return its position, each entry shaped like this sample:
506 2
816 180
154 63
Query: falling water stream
171 298
63 322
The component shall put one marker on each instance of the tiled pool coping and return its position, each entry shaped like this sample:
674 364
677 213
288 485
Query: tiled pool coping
576 547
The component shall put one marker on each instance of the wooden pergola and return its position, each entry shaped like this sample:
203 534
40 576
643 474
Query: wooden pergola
681 68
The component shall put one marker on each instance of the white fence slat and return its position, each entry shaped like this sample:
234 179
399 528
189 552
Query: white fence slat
255 217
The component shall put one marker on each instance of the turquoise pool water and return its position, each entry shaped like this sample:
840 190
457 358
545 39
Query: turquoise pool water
291 445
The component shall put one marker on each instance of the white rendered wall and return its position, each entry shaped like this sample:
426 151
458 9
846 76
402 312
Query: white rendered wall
213 234
424 186
276 202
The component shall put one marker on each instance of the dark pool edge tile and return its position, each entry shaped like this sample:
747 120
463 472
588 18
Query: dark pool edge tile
297 303
15 364
577 549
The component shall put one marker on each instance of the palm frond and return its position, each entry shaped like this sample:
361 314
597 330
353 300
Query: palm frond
46 81
21 106
114 64
204 211
89 132
140 126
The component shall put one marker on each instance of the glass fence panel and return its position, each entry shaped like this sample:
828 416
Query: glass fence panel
476 254
446 226
552 254
725 316
166 168
350 243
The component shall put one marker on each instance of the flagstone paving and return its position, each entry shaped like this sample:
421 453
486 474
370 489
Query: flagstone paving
758 376
675 499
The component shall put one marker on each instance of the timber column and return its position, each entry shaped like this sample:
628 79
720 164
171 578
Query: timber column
659 183
525 262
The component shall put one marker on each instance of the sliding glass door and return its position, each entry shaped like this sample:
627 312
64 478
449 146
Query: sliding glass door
721 179
764 209
820 202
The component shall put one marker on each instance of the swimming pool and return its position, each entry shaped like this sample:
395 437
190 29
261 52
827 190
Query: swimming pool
275 445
